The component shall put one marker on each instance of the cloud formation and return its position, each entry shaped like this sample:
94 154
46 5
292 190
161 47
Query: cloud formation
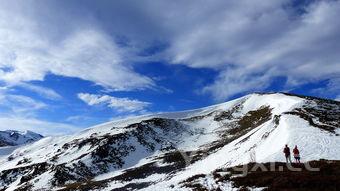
42 91
45 128
19 112
119 104
19 104
249 42
29 51
252 42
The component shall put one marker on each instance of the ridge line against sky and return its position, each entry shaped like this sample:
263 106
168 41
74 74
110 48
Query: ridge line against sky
66 65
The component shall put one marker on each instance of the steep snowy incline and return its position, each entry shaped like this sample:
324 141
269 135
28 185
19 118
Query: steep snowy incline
161 151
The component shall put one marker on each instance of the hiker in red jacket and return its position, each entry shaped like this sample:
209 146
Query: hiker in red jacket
286 151
296 153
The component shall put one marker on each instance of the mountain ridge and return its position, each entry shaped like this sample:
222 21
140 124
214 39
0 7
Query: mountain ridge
160 151
14 137
298 95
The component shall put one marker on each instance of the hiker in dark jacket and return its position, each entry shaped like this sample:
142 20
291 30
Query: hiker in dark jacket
296 153
286 151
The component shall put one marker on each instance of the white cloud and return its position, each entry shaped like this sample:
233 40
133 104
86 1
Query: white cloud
250 43
28 51
332 88
120 104
76 118
337 98
235 81
18 112
43 127
42 91
20 104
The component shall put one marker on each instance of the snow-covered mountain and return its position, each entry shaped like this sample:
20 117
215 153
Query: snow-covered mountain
12 137
166 151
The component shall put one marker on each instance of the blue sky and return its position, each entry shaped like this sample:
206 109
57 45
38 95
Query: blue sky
67 65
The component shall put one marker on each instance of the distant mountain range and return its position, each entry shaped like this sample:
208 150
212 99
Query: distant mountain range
180 151
13 138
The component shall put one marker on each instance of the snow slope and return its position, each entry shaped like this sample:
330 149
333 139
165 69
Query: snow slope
161 151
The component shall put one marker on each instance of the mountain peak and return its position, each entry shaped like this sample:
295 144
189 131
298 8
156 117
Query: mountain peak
14 137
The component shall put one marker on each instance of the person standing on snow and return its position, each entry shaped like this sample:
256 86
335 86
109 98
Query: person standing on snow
286 151
296 153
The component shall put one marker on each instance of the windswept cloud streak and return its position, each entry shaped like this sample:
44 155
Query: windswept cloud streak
45 128
120 104
42 91
18 112
19 104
